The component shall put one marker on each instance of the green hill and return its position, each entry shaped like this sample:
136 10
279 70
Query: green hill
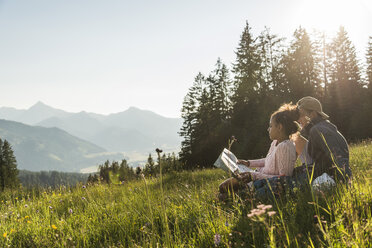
185 213
40 148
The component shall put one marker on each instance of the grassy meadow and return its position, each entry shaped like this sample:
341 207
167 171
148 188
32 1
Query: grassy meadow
182 210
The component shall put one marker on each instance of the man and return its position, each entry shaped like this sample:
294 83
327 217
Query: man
326 146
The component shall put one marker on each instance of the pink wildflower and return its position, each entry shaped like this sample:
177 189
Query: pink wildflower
267 207
271 213
250 215
217 239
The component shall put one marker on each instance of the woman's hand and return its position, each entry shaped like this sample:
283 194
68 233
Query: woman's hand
245 177
242 161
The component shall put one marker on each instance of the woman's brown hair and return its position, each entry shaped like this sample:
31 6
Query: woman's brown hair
287 115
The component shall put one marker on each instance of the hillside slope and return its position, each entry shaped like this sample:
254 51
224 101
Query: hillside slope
40 148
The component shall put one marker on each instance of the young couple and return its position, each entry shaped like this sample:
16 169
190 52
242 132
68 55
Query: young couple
321 148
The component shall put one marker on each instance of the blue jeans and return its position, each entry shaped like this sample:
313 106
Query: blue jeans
273 187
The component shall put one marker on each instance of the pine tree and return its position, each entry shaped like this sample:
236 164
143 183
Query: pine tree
189 114
126 172
345 85
104 171
206 113
369 63
248 123
202 134
246 70
322 63
366 113
270 51
2 167
219 86
138 171
300 70
8 166
149 169
213 116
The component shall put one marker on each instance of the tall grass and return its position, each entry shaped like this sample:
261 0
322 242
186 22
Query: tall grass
183 211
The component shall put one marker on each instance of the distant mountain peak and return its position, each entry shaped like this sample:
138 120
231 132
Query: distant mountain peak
39 104
132 108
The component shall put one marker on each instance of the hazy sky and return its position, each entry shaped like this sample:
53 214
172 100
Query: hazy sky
104 56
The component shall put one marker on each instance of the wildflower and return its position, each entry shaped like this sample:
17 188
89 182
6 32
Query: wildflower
26 217
70 211
260 212
28 222
251 215
50 207
26 206
261 206
257 212
54 227
316 218
271 213
84 187
5 234
158 150
83 198
217 239
267 207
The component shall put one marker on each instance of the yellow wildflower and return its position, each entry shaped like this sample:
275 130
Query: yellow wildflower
54 227
26 217
28 222
4 235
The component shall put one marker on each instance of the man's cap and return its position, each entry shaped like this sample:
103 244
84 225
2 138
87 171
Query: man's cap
311 103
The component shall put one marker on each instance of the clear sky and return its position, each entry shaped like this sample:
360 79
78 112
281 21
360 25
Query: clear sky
105 56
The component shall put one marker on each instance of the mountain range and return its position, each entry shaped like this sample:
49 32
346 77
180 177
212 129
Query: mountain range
133 131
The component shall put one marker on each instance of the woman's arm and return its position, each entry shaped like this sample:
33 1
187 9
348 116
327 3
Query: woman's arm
252 163
282 164
257 162
259 175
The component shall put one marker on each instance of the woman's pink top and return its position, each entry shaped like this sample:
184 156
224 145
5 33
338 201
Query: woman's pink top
279 161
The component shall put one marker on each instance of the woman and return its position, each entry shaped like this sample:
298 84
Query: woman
281 157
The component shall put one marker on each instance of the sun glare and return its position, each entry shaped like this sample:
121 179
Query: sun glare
328 15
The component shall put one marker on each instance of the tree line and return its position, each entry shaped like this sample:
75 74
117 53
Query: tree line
52 179
266 73
11 177
119 173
